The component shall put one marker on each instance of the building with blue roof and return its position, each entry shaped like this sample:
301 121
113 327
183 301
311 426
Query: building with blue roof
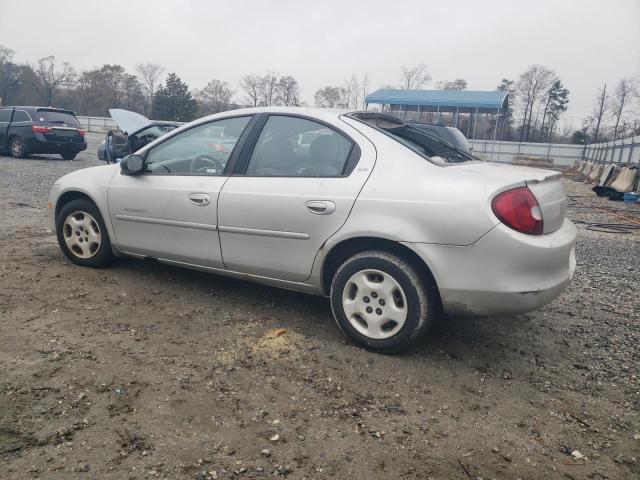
442 106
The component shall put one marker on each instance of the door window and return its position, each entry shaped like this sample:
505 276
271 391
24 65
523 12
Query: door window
202 150
5 115
296 147
20 116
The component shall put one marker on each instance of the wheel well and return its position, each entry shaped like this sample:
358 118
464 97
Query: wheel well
67 197
338 254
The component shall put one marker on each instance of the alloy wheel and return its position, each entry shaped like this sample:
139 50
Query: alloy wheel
16 147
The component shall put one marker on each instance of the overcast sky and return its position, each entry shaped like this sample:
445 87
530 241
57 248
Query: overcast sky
323 42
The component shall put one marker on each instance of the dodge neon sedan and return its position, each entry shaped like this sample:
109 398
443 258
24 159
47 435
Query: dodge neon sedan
350 205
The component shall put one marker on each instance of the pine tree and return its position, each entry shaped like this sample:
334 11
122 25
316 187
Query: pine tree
173 101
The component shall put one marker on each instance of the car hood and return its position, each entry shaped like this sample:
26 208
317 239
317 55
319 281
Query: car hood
128 121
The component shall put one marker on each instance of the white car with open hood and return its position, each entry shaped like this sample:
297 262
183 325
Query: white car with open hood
350 205
134 132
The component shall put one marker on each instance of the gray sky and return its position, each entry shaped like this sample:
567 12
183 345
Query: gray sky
324 42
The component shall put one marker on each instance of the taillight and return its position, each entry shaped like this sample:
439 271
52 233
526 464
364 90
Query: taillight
519 209
82 132
40 129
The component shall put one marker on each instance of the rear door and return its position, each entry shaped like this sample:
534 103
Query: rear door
287 201
5 119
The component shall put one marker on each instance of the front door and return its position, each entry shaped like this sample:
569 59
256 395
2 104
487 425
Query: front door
298 188
170 210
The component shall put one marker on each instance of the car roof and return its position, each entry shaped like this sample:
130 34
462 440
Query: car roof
34 108
327 114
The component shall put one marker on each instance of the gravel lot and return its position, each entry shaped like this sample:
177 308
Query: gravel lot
146 371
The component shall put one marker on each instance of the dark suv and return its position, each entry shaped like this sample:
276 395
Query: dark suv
27 130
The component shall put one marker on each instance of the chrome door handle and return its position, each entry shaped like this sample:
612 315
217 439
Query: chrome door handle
320 207
200 199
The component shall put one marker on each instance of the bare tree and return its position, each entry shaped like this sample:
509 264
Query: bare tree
457 84
625 91
215 96
269 88
50 79
600 110
252 86
416 77
113 77
150 74
288 91
365 88
10 77
331 97
530 89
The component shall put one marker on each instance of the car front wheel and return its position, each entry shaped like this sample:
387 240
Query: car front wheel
381 301
82 234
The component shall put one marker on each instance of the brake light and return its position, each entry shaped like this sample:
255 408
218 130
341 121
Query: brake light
82 132
519 209
40 129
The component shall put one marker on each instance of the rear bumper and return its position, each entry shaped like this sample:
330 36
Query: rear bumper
505 272
37 145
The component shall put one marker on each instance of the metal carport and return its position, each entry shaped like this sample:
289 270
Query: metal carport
410 105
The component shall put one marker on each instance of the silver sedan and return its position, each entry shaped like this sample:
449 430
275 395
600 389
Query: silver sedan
356 206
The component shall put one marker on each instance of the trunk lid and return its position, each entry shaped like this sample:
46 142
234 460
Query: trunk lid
546 186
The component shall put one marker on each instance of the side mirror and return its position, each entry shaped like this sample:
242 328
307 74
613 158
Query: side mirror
132 164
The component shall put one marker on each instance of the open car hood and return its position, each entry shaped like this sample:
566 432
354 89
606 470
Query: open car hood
129 122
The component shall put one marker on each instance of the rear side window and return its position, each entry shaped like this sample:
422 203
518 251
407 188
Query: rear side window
5 115
296 147
63 119
20 116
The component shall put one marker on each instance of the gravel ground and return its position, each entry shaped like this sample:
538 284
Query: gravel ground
143 371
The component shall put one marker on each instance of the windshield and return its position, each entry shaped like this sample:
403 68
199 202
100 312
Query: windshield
64 119
461 140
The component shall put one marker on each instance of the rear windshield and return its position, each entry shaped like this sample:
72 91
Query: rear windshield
64 119
420 141
427 145
461 140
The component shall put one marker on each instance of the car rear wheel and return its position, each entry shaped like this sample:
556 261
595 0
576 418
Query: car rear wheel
82 234
69 155
17 147
381 301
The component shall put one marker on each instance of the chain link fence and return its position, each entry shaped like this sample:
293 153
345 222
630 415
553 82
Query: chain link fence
560 155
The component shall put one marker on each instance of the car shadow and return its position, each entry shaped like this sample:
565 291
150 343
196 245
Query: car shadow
484 343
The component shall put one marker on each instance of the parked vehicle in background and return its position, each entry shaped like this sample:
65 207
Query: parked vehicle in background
33 130
350 205
450 135
134 132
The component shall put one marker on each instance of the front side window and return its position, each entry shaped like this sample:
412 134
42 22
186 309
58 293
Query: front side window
5 115
202 150
296 147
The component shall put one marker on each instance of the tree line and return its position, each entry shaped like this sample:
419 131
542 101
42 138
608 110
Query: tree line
537 98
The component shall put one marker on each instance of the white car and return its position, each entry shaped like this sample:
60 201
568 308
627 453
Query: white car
364 214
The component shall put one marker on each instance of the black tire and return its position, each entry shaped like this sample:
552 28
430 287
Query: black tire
17 148
69 155
420 296
102 255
